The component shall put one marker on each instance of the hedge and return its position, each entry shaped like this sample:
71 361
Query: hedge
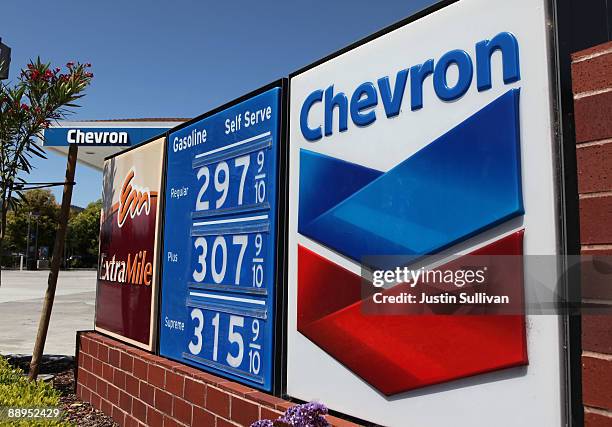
16 391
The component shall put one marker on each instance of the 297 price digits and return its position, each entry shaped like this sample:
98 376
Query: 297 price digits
215 253
251 182
237 335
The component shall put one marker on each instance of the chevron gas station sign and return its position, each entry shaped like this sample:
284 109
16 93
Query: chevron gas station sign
420 152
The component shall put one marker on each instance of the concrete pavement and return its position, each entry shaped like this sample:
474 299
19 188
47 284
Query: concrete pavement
21 298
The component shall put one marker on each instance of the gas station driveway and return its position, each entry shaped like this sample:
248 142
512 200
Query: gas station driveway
21 299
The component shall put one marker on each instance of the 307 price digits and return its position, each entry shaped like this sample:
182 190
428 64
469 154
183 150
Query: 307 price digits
214 253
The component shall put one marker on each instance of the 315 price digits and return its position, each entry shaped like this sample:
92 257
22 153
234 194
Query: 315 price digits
237 335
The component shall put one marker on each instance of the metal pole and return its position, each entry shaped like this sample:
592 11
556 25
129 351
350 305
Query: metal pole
28 241
56 260
36 246
65 258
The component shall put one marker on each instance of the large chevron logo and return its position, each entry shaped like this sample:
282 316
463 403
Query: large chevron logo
461 184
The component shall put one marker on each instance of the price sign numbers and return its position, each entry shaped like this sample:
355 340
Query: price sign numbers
231 184
220 255
226 339
230 259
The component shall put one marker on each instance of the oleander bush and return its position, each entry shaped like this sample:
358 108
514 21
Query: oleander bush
16 391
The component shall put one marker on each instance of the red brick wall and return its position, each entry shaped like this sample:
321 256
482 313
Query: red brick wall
139 389
592 85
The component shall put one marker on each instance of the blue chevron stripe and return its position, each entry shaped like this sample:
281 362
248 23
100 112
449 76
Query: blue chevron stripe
326 181
464 182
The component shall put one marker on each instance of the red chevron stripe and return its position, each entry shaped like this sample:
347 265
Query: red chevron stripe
399 352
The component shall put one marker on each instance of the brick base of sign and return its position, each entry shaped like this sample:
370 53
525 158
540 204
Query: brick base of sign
137 388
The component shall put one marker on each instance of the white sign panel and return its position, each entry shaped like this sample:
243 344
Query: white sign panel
434 138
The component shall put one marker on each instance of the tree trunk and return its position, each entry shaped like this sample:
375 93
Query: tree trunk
58 250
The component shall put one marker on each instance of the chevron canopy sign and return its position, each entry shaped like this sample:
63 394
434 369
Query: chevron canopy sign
427 147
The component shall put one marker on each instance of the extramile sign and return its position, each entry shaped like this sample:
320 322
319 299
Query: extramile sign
126 297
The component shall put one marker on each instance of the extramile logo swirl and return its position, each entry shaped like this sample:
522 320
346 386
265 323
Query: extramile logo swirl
134 199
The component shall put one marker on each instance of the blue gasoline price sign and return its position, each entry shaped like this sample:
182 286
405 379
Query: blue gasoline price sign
218 281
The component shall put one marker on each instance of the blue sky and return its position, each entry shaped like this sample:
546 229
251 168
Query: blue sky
179 58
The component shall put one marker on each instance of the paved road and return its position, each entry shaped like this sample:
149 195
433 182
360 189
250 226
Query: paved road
21 297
